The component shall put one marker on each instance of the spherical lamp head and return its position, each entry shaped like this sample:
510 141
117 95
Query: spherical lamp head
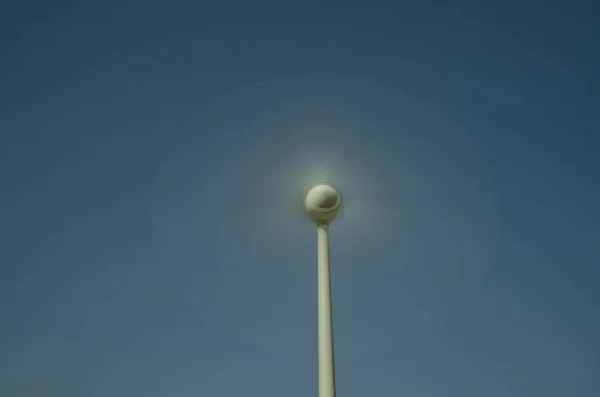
322 202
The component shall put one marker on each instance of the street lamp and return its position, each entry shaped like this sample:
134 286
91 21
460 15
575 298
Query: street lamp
322 203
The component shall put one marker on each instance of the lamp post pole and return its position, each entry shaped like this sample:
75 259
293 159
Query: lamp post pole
326 363
322 202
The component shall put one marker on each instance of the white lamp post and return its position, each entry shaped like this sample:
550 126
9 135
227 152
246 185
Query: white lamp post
322 202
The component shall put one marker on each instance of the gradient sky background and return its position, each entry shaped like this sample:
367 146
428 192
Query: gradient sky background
150 154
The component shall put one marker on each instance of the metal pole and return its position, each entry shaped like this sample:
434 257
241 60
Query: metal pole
326 364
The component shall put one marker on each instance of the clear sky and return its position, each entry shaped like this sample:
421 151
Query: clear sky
151 159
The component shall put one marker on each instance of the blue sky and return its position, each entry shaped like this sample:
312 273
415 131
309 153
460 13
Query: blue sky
152 155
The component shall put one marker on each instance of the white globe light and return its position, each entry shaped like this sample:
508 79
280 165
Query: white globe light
322 203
